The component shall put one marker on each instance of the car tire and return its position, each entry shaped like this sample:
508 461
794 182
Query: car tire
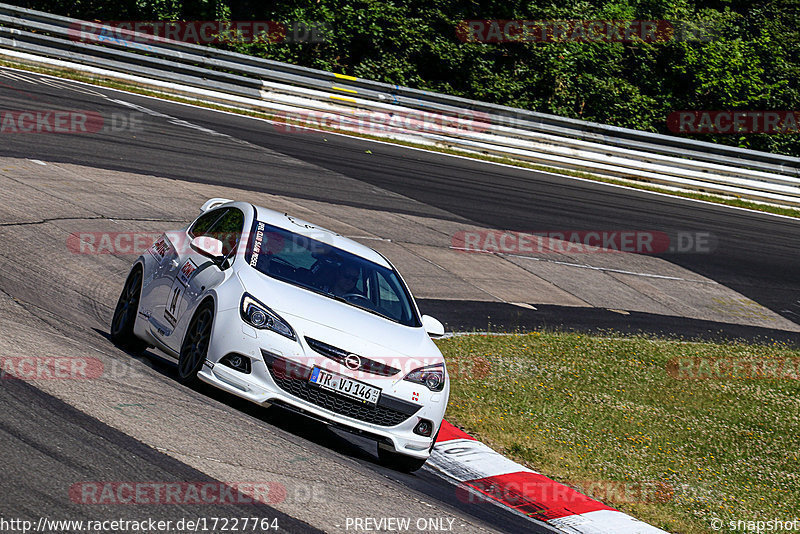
399 462
435 438
122 322
195 344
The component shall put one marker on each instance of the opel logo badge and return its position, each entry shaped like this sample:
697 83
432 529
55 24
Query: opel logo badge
352 361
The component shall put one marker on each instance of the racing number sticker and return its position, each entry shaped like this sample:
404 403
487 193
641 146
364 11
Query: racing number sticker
176 293
178 287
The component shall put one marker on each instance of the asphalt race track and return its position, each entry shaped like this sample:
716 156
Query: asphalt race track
49 445
755 253
135 423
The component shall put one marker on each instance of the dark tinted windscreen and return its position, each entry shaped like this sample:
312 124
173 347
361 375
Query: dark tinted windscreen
333 272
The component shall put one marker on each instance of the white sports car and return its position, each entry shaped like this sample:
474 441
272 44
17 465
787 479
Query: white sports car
279 311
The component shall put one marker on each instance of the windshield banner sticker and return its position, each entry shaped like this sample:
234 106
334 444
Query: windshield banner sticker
257 244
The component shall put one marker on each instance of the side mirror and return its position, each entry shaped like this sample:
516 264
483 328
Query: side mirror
208 246
433 327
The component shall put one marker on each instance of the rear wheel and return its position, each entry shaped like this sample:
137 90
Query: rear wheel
195 345
399 462
125 313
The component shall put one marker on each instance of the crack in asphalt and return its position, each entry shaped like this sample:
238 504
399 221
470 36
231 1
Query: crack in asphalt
97 218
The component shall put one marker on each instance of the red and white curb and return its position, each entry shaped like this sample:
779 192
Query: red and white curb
483 474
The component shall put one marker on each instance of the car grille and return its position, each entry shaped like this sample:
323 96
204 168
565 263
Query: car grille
339 355
293 378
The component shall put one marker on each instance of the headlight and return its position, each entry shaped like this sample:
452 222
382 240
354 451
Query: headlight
259 316
431 376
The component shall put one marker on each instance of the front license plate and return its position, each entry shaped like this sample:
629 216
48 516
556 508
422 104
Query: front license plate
345 386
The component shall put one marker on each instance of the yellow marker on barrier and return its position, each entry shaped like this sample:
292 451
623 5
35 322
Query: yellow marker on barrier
344 98
345 89
345 77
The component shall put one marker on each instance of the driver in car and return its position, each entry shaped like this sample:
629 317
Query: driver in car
345 282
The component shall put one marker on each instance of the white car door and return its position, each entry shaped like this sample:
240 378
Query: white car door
170 253
196 273
164 252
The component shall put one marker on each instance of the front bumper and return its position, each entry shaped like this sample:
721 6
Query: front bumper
280 369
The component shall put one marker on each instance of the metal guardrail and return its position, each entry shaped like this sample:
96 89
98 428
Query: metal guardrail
252 82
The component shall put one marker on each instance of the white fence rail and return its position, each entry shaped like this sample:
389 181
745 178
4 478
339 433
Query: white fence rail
352 104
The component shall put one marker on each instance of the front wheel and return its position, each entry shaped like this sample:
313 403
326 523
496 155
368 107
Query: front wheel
125 313
195 345
399 462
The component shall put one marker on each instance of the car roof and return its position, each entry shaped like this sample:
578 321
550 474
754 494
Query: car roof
313 231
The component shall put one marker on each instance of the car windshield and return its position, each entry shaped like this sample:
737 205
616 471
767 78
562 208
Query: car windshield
330 271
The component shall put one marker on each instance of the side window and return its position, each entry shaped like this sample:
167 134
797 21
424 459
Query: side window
203 223
228 229
388 301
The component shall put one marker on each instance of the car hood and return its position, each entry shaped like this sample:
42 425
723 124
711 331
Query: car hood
341 325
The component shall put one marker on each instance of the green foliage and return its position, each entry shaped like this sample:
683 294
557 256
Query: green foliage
751 60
